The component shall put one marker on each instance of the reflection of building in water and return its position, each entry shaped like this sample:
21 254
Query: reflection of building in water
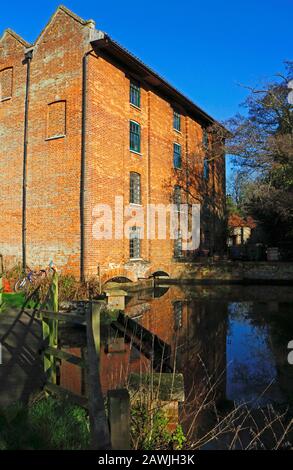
194 330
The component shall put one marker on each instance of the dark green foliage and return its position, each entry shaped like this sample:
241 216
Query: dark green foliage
13 300
48 424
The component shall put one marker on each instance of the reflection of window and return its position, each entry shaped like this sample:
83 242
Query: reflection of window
176 121
134 136
178 313
134 243
56 126
177 156
6 84
135 94
178 245
135 191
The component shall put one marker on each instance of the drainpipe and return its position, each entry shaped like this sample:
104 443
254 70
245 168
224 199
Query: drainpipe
27 61
215 248
83 164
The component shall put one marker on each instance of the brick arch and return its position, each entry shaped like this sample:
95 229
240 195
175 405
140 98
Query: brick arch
118 272
155 269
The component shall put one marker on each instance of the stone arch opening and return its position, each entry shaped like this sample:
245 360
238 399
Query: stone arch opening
117 275
119 279
160 274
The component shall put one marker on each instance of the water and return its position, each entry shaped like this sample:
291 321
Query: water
230 343
241 333
252 368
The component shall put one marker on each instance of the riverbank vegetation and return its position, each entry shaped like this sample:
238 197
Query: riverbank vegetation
261 146
51 424
44 424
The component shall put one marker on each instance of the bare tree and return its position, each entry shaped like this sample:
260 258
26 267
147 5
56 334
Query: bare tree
201 180
262 146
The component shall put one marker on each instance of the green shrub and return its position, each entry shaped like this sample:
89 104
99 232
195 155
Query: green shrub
47 424
149 429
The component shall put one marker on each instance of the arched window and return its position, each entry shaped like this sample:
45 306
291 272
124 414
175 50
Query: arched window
134 137
206 169
177 155
135 243
176 121
134 93
135 188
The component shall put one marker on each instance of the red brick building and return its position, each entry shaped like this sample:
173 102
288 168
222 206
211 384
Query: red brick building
82 121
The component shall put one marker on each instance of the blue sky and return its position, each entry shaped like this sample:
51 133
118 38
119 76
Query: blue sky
204 48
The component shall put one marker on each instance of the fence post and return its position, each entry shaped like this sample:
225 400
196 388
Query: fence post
50 330
100 436
96 325
1 289
119 418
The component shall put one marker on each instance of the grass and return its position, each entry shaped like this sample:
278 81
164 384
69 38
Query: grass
13 300
46 424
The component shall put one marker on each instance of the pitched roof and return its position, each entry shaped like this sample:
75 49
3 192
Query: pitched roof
15 36
113 48
235 221
104 42
67 12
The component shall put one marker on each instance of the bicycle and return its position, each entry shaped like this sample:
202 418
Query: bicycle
33 277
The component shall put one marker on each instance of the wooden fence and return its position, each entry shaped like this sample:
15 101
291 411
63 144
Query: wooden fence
110 422
110 429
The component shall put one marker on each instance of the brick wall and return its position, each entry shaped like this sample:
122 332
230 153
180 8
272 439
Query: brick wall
110 162
54 153
11 149
53 224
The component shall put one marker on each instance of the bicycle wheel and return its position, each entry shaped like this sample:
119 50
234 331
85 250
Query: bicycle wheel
20 285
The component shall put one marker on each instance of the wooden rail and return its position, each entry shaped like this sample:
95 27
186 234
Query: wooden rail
94 402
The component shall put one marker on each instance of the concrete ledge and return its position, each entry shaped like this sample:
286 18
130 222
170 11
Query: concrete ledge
234 272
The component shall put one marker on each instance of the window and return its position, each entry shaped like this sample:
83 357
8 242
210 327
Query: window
56 126
205 144
135 94
134 243
178 314
206 169
177 196
135 190
205 139
6 84
176 121
134 136
177 156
